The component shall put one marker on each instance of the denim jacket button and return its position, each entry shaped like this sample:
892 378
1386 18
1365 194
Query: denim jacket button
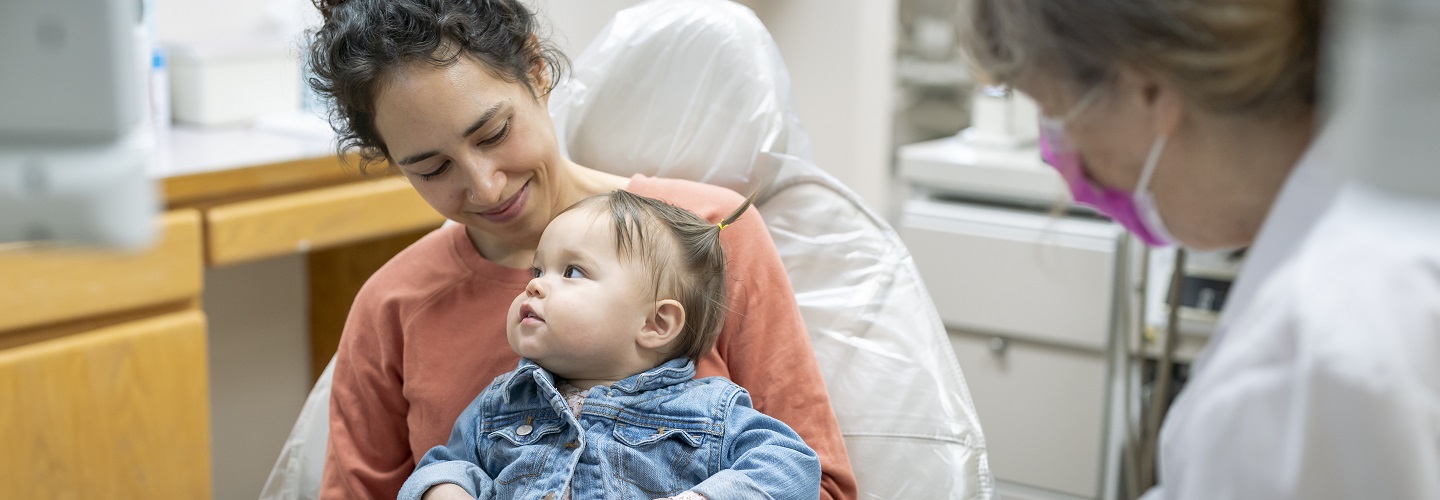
524 429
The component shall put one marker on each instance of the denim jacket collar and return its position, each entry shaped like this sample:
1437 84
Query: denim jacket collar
673 372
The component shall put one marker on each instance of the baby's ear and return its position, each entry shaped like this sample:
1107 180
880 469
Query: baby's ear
663 326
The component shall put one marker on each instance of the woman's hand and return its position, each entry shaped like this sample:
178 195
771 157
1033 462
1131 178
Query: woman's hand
447 491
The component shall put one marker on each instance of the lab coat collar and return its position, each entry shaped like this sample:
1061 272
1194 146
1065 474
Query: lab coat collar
1307 194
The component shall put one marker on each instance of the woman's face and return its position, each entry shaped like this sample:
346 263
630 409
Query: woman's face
1107 133
480 150
1114 133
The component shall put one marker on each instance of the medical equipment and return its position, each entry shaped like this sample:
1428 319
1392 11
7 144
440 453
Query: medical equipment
995 159
220 82
74 144
933 79
696 89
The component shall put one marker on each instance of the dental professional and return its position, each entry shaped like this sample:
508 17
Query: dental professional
454 95
1194 123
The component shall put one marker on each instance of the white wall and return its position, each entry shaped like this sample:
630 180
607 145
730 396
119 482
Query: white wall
841 56
841 59
201 20
573 23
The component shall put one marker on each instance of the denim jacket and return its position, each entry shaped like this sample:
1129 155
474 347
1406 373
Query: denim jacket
652 435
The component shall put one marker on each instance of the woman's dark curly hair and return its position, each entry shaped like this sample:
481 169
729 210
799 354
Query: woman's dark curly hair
363 40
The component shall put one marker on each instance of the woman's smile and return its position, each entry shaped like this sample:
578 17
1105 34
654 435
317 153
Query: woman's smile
509 209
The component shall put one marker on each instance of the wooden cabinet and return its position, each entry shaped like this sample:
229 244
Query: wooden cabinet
45 286
315 219
104 378
103 370
115 412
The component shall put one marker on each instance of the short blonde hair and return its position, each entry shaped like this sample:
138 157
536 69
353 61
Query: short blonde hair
1230 56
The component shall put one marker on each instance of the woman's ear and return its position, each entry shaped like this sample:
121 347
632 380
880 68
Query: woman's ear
538 73
1157 96
663 326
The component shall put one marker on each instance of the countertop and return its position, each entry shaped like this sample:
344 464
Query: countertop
196 166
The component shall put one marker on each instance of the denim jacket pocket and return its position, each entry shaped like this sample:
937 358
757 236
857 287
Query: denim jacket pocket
519 451
526 432
656 462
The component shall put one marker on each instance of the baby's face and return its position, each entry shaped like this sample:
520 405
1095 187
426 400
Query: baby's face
581 314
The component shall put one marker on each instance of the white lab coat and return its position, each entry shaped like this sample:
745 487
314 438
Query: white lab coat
1324 381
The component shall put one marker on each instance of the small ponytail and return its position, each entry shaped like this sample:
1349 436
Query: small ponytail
730 219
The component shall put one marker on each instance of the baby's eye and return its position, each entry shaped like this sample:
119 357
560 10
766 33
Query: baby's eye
535 272
574 272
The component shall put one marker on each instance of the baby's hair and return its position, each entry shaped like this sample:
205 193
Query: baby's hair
690 264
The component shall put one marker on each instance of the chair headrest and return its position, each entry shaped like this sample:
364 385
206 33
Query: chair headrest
690 89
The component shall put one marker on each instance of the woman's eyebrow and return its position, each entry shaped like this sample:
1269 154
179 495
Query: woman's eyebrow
485 117
416 158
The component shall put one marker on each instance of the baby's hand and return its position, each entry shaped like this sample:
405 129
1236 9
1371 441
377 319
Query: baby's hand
447 491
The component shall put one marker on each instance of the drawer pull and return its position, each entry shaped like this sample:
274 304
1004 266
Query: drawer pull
998 345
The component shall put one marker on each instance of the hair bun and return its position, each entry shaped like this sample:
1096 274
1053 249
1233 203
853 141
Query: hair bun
326 6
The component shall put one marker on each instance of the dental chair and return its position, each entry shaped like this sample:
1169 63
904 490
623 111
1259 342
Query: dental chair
696 89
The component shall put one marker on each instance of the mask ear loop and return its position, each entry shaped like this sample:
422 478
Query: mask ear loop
1151 161
1145 201
1080 106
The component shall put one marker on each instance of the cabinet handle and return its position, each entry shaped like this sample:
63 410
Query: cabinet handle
998 345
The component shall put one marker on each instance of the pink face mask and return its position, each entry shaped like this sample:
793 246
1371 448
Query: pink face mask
1134 210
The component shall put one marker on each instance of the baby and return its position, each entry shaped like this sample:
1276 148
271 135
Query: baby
628 292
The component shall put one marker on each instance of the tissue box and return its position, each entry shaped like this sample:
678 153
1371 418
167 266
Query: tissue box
226 82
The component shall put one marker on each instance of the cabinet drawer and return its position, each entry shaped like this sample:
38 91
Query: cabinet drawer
315 219
1043 410
1022 274
39 287
116 412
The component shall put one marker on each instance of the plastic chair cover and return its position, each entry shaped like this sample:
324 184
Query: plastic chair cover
297 472
696 89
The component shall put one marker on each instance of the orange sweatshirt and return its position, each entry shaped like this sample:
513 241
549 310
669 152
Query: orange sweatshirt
426 334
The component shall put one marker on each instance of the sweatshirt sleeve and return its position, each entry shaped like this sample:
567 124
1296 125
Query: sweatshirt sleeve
368 453
767 349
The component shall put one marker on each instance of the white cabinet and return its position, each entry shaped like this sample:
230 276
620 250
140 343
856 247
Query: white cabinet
1030 300
1042 408
1020 273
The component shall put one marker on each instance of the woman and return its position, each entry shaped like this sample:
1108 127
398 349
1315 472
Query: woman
453 94
1193 123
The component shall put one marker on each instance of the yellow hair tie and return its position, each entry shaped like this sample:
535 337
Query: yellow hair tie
722 226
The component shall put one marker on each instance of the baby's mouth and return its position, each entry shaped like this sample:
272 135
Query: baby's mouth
527 312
